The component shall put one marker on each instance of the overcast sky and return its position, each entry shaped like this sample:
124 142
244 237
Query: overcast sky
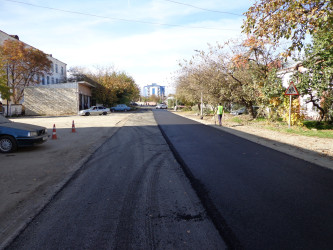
145 38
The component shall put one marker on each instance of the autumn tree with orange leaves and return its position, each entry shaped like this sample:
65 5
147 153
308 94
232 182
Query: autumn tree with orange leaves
289 19
25 66
4 89
236 72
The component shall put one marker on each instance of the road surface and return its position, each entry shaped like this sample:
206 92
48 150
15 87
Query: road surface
259 198
130 194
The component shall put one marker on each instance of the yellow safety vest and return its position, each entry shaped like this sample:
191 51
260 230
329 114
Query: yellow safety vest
219 110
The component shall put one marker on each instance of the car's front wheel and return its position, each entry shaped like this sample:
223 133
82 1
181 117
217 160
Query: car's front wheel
87 114
105 113
7 144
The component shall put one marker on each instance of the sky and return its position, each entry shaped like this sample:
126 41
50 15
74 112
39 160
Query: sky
144 38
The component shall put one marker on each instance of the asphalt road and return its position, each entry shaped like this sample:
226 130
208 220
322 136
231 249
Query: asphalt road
130 194
258 198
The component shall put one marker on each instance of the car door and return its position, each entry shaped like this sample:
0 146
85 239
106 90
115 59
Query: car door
100 110
94 111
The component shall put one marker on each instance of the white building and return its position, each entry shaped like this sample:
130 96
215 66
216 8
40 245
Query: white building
57 75
58 69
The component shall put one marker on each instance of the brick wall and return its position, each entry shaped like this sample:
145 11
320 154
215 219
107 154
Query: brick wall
50 101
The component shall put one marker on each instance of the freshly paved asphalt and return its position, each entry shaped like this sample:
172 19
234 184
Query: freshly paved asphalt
259 198
130 194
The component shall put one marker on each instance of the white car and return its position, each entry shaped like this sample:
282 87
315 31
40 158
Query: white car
120 107
161 106
95 110
239 111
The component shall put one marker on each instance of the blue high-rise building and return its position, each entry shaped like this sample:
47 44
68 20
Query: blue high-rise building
154 89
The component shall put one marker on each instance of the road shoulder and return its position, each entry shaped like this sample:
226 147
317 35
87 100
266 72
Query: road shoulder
314 150
31 177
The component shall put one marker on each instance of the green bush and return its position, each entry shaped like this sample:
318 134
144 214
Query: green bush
323 125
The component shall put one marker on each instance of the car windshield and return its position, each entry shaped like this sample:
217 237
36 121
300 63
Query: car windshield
3 119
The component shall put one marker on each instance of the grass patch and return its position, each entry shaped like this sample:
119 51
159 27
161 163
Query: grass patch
260 119
310 128
304 131
237 120
317 125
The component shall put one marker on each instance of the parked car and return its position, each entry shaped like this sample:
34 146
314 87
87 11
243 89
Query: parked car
95 110
161 106
239 111
120 107
14 135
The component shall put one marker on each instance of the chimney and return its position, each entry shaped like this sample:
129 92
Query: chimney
15 36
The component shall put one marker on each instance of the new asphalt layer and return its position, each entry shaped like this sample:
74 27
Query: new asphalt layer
259 198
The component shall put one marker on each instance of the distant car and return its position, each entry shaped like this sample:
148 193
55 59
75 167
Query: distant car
161 106
95 110
239 111
14 135
120 107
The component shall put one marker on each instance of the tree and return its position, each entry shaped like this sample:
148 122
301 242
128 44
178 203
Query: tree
249 69
316 82
4 89
114 87
235 72
200 77
290 19
25 66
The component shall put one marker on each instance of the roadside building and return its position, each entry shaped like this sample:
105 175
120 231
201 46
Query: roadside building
58 99
58 68
56 76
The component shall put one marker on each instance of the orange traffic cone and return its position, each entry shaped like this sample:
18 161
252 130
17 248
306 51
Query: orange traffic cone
54 133
73 127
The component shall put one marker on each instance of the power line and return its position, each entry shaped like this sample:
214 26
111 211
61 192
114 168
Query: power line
113 18
217 11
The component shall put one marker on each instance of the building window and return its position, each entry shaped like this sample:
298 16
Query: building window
57 81
56 68
43 80
52 67
47 80
62 70
52 79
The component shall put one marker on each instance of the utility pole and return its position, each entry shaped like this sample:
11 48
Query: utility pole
7 86
201 107
290 101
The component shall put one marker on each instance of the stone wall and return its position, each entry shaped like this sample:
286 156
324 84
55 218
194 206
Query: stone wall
51 101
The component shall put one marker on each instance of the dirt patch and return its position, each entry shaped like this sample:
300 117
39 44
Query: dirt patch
30 176
312 149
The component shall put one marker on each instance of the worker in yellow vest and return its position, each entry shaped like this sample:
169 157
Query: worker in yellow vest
220 113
